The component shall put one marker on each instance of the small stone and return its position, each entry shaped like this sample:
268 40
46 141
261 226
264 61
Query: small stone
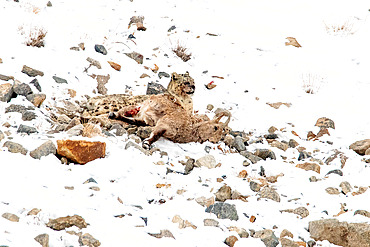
309 167
49 4
241 231
360 147
163 233
325 123
75 130
246 163
223 211
239 144
31 72
243 174
94 62
205 202
292 143
155 88
115 66
59 80
346 187
303 155
250 156
45 149
101 49
66 222
230 241
332 191
189 166
207 161
301 211
265 153
182 223
15 147
26 129
171 28
88 240
363 213
6 92
210 107
211 222
2 136
269 193
136 56
36 99
267 237
279 145
72 93
28 116
336 171
91 130
293 42
272 129
10 217
81 151
254 186
163 74
6 78
43 239
272 136
22 89
34 211
286 233
223 194
313 179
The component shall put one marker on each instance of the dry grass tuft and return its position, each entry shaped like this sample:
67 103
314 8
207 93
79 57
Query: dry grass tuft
36 38
182 52
312 83
343 29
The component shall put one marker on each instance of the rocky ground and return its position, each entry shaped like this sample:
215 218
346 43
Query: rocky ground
71 179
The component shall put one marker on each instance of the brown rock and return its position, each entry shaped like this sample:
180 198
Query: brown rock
211 222
162 233
288 243
6 78
279 145
309 167
10 217
340 233
223 194
292 41
36 98
360 147
240 231
88 240
346 187
31 72
182 223
272 130
230 241
91 130
269 193
243 174
325 123
286 233
34 211
363 213
102 80
310 135
72 93
115 66
136 56
43 239
322 132
66 222
332 191
6 91
301 211
205 202
94 62
81 151
278 104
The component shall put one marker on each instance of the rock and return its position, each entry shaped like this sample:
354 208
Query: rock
223 211
115 66
34 211
230 241
182 223
223 194
278 104
211 222
102 80
288 243
28 116
43 239
6 92
269 193
292 143
94 62
101 49
15 108
254 186
144 132
81 151
303 155
286 233
265 153
91 130
325 123
205 202
363 213
45 149
336 171
119 130
340 233
207 161
31 72
272 136
250 156
163 74
15 147
155 88
292 41
301 211
279 145
162 233
189 166
332 191
6 78
49 4
267 237
238 144
60 80
136 56
2 136
22 89
75 130
35 82
10 217
26 129
360 147
62 223
138 20
241 231
88 240
63 119
36 99
309 167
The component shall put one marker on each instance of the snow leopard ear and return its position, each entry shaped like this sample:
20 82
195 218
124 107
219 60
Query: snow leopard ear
175 76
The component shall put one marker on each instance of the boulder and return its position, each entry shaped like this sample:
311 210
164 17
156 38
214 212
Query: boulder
6 91
81 151
360 147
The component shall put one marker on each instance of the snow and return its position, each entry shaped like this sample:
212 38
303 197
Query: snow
249 52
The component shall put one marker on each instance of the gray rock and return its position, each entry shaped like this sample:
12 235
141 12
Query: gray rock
163 74
336 171
271 136
15 108
22 89
35 82
267 237
189 166
171 28
14 147
155 88
6 78
28 116
45 149
59 80
88 240
303 155
119 130
238 144
136 56
144 132
223 210
269 193
76 130
254 186
208 161
31 72
265 153
26 129
250 156
101 49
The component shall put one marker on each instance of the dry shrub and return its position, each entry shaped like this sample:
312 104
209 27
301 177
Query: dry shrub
312 83
36 38
182 52
343 29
